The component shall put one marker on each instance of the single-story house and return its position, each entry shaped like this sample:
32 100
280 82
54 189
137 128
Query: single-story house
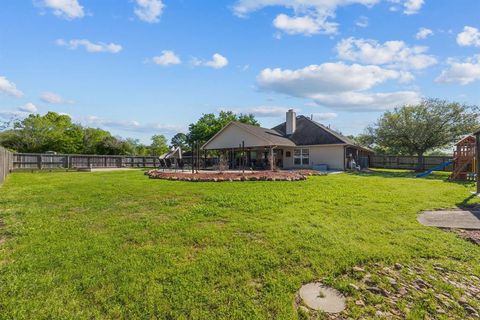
298 143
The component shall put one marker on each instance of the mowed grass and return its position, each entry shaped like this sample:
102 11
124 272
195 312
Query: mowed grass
118 245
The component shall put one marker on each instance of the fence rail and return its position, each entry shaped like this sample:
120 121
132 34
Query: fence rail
6 163
38 161
408 162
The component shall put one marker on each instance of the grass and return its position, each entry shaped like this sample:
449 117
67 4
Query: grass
118 245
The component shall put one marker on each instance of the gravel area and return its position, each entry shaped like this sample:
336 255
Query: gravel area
422 289
470 235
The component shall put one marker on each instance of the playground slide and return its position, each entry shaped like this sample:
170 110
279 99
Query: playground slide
439 167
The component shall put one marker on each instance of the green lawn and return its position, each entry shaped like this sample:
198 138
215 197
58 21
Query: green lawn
118 245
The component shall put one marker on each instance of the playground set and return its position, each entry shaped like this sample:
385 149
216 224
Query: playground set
463 161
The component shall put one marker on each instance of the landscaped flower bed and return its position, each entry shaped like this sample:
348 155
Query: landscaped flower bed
233 176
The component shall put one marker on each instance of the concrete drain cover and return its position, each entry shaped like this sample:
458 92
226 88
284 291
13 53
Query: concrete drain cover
316 296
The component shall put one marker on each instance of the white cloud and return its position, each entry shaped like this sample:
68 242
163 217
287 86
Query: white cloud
322 116
149 10
131 125
28 107
409 6
393 53
462 72
53 98
90 46
67 9
262 111
218 61
9 115
367 101
8 87
469 37
306 25
338 85
412 6
167 58
362 22
424 33
309 16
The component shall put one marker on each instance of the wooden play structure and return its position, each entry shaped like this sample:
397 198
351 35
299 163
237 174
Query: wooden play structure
464 159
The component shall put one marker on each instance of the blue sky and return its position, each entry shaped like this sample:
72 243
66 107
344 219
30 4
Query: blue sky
144 67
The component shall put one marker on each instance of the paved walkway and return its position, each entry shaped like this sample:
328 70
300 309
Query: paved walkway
457 219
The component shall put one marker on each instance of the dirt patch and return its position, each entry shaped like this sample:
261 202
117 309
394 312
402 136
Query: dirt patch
233 176
470 235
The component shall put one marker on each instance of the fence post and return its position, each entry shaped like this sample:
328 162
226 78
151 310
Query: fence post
89 165
39 162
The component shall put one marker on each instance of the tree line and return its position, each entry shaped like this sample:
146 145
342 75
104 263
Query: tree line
58 133
418 129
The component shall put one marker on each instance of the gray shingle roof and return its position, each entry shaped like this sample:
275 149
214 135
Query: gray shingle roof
309 132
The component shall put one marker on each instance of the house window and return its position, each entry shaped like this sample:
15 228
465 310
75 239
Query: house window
301 157
288 154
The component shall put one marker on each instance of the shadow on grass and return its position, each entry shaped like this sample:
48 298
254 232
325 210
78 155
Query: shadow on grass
469 204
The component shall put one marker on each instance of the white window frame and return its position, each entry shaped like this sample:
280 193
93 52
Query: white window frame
303 155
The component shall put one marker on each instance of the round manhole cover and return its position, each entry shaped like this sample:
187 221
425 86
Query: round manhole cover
317 296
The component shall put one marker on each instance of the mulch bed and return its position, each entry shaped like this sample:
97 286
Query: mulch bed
233 176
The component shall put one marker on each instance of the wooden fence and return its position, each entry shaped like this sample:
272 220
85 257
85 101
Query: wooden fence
37 161
407 162
40 161
6 163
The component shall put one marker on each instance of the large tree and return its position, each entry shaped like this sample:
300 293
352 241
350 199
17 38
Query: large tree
93 139
180 140
159 145
209 124
50 132
417 129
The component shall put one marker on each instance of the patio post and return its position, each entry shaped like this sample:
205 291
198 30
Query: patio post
243 156
271 158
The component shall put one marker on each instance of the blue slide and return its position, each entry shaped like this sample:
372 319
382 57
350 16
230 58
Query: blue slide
439 167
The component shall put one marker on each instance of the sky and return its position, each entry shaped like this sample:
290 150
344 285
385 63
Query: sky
144 67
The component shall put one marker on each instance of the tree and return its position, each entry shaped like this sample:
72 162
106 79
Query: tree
159 145
208 125
92 138
50 132
417 129
111 145
180 140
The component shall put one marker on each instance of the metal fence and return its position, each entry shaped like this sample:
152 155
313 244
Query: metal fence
407 162
6 163
40 161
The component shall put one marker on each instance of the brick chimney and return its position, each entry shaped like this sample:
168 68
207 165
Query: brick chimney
291 122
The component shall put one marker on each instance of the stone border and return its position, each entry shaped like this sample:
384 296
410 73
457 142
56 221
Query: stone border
232 176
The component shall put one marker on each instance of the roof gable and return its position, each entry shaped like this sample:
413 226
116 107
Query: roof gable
233 134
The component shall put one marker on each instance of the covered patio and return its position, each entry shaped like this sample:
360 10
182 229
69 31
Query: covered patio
243 147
